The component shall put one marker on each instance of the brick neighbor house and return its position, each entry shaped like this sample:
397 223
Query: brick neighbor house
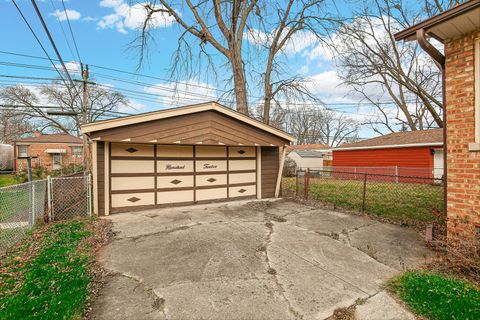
459 30
50 151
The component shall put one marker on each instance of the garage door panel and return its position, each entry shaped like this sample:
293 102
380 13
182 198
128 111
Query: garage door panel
131 150
211 194
133 199
132 183
174 181
242 177
132 166
210 165
211 180
210 151
174 166
174 151
241 152
242 191
238 165
165 197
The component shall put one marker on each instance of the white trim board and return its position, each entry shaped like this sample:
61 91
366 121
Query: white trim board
391 146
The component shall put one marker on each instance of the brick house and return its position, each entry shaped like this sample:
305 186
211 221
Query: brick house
459 30
49 151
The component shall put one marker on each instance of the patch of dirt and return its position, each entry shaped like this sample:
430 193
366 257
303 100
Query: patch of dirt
102 234
344 313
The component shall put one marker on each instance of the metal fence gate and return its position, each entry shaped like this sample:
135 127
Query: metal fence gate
51 199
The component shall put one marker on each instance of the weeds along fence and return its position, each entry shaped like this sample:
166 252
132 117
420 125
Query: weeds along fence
51 199
398 197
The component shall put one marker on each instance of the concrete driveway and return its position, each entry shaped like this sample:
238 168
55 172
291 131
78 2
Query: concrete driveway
252 260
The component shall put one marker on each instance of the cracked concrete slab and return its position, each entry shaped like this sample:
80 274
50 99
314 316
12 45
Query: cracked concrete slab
132 301
397 247
382 307
224 299
263 260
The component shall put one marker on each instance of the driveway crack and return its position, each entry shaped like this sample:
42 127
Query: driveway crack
158 302
273 272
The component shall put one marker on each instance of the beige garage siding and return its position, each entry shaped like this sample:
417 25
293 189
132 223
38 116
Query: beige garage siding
148 175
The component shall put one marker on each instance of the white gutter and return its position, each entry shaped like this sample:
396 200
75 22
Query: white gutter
391 146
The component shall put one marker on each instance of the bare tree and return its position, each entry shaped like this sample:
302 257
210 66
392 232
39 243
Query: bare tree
100 103
378 68
310 124
221 27
13 125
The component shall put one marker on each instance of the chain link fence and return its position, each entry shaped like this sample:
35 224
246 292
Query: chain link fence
409 199
22 205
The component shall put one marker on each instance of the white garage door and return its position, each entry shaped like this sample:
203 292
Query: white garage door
144 175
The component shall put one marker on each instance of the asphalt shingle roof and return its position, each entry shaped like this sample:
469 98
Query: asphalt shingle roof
52 138
431 136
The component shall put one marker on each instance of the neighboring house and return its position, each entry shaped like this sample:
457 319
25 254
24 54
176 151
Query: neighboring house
49 151
310 156
411 153
459 30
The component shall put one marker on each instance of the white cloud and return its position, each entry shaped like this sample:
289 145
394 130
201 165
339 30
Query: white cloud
182 93
62 15
131 17
72 67
299 42
89 19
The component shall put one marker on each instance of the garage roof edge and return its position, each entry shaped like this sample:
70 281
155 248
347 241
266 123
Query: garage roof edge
170 113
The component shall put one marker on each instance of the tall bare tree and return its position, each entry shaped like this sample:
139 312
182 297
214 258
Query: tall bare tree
374 65
310 124
13 125
100 103
221 27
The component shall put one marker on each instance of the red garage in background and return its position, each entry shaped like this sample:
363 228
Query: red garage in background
412 153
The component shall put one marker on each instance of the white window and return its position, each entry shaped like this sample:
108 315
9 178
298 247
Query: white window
476 145
23 151
77 151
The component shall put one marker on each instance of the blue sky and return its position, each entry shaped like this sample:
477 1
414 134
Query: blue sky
103 31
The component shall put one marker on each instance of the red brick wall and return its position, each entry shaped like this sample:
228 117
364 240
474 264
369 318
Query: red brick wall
44 159
463 165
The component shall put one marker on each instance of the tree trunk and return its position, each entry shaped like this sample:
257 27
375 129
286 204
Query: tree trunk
240 83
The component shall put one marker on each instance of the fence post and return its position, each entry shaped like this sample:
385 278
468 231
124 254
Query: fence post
49 198
31 199
396 174
307 183
89 188
364 191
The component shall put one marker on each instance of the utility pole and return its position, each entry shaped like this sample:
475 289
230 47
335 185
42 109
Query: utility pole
86 162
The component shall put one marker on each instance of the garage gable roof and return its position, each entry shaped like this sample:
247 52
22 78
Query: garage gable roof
181 111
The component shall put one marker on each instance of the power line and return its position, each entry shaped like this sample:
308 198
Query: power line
71 32
61 27
39 14
36 37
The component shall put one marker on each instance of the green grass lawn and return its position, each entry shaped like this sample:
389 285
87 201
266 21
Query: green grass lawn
407 202
7 180
438 297
47 277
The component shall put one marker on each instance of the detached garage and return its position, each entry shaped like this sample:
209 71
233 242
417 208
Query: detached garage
193 154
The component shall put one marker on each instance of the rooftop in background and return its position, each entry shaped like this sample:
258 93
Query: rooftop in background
313 146
51 138
310 154
419 138
461 19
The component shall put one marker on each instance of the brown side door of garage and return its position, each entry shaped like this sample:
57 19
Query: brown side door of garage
148 175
